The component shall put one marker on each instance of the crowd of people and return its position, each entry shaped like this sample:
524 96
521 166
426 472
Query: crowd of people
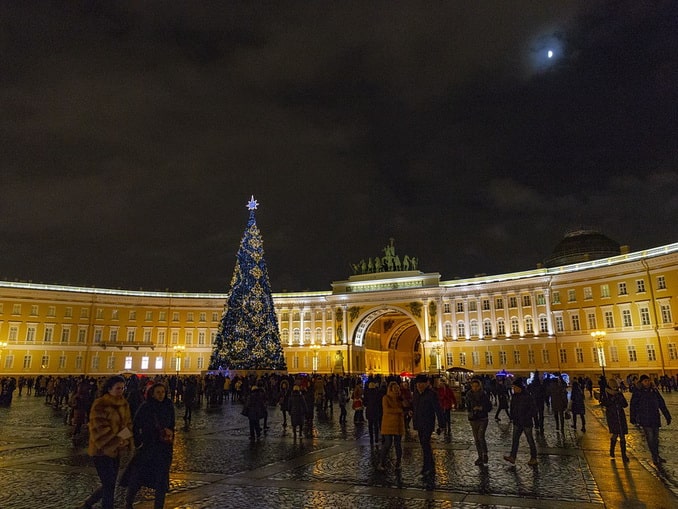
135 416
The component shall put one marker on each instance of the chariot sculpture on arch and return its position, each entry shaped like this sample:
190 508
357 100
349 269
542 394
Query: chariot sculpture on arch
389 262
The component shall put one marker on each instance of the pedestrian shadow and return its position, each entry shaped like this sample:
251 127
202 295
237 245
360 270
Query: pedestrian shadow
626 486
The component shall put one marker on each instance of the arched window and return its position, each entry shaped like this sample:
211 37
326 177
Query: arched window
307 336
543 324
501 327
529 325
515 327
318 335
448 330
285 336
474 327
487 328
297 336
461 330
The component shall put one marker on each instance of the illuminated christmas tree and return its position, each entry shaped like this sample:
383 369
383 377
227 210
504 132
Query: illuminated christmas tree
248 337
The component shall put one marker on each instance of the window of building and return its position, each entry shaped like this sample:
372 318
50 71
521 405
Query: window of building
128 363
651 354
97 335
633 356
661 283
545 356
30 333
296 334
595 355
49 332
446 307
626 318
115 313
82 335
16 309
588 293
516 357
571 296
486 304
9 361
472 305
110 362
560 324
529 325
475 356
488 358
131 335
605 291
13 333
44 362
158 363
543 324
487 328
34 310
448 330
462 359
449 358
502 357
530 356
149 316
640 286
474 327
201 337
95 363
162 316
133 315
461 330
621 288
307 336
614 354
215 317
591 320
556 297
575 323
563 356
285 316
175 337
84 312
609 319
189 337
65 335
144 362
644 315
527 301
296 316
285 336
213 337
501 327
99 314
499 303
579 354
147 335
460 307
175 316
68 312
190 316
666 313
513 302
28 360
515 326
161 337
673 353
307 316
541 300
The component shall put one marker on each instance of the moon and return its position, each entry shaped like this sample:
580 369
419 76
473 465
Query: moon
549 54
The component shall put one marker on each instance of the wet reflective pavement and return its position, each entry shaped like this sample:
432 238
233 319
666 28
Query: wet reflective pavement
216 466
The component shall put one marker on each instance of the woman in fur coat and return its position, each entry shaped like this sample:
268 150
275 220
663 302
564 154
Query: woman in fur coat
110 432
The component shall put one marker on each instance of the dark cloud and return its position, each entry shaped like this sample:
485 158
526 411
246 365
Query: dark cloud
133 134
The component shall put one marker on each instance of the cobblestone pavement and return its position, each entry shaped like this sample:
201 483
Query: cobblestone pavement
216 466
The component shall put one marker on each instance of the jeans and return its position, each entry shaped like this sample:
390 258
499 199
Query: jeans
517 432
427 450
107 468
388 440
652 437
479 427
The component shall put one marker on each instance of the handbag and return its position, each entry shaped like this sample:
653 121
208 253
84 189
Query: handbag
357 404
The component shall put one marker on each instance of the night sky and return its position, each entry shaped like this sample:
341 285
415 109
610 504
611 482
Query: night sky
134 133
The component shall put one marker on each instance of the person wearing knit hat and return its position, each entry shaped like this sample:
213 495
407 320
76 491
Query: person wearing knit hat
523 411
646 403
614 404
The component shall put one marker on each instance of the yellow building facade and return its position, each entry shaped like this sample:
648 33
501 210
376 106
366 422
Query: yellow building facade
386 322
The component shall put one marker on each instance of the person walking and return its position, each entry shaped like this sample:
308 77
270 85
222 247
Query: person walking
392 425
614 404
357 397
110 431
478 406
646 403
577 406
558 393
256 408
447 401
373 411
523 411
538 391
153 426
503 401
425 412
297 407
81 403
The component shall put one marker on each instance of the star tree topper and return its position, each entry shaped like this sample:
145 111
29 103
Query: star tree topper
252 204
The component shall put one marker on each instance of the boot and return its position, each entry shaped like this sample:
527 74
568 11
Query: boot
622 445
613 443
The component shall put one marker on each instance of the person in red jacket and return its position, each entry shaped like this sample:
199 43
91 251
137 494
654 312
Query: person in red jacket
447 402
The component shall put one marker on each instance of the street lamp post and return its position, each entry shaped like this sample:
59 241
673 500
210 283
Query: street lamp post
315 349
599 338
178 353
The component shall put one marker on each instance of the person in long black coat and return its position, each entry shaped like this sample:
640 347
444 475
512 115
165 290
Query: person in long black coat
426 410
256 410
578 407
614 404
646 403
297 406
153 426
